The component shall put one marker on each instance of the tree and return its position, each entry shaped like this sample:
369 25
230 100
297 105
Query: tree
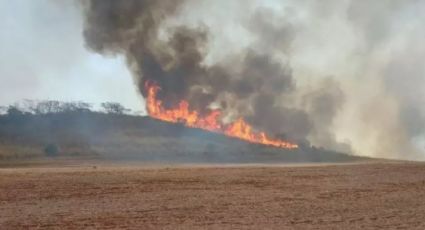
51 150
114 108
47 107
14 111
79 106
83 106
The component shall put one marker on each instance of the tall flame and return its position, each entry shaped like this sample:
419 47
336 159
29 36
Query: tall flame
211 122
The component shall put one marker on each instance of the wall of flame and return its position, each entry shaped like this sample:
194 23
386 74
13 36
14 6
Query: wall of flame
183 114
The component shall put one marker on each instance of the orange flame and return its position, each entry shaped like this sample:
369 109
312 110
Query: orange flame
211 122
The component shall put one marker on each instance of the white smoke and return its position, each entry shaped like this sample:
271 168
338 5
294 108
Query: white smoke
371 50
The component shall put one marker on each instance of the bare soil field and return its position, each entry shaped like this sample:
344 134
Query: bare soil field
351 196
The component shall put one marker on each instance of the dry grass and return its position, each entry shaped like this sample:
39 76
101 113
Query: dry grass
356 196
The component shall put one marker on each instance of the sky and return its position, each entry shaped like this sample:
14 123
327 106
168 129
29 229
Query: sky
365 56
43 56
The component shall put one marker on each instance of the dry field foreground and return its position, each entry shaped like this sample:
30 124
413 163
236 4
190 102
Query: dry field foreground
363 196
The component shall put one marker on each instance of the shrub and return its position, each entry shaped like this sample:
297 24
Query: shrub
51 150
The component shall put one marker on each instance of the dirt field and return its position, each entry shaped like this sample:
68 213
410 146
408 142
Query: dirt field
364 196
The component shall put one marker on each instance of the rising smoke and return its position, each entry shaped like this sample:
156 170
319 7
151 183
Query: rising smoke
344 75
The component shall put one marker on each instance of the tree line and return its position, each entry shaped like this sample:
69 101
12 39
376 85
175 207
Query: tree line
44 107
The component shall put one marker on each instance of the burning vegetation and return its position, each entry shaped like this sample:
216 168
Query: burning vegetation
211 121
250 94
242 100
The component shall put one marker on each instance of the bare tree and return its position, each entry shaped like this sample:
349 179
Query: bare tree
48 107
83 106
75 107
114 108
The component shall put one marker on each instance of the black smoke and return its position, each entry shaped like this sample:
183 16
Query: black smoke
251 84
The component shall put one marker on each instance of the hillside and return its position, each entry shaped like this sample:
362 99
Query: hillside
130 138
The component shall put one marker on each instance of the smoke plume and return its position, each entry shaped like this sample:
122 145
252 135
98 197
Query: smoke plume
344 75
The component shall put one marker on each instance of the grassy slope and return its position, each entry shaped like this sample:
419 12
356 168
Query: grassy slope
122 137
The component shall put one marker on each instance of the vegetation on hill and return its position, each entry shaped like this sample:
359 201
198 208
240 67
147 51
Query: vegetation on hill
52 129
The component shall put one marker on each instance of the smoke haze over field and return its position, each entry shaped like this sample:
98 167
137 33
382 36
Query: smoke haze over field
346 75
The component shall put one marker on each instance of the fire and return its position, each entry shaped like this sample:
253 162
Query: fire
211 122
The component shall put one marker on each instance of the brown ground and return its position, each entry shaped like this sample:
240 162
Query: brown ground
363 196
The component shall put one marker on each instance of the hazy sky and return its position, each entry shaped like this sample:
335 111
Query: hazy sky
369 52
42 56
